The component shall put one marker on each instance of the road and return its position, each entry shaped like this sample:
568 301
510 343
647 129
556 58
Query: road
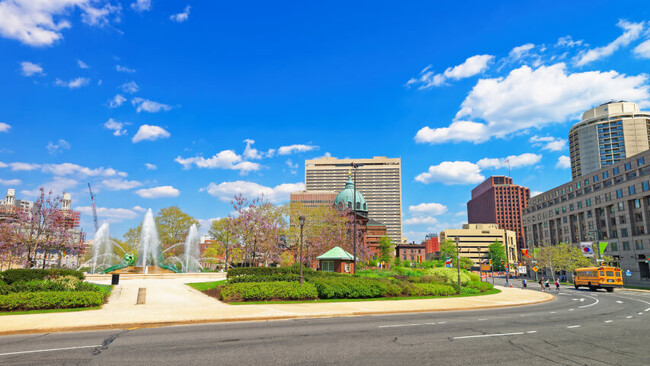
579 328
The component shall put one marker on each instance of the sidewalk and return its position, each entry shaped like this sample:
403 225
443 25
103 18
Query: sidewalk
171 302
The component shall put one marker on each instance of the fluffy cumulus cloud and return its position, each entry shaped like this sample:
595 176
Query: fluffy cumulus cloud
10 182
56 185
549 143
75 169
531 98
40 23
563 162
72 84
19 167
141 5
472 66
119 184
158 192
512 161
4 127
643 49
250 152
428 208
57 147
117 101
182 16
150 133
130 87
291 149
115 126
429 220
226 159
31 69
227 190
631 32
452 172
150 106
112 214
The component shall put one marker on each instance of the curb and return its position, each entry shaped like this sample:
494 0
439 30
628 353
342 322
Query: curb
144 325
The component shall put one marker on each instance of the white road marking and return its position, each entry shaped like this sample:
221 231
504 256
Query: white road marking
574 326
575 299
482 319
592 304
582 300
629 317
430 323
608 321
640 313
531 331
48 350
571 309
619 301
553 312
489 335
397 325
648 309
442 322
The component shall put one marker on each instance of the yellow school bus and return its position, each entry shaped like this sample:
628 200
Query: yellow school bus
598 277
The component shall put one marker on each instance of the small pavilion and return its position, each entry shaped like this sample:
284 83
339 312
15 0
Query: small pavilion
336 260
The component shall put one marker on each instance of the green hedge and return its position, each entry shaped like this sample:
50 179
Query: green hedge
447 275
480 286
287 277
4 288
50 300
14 275
261 291
434 289
264 271
42 286
348 287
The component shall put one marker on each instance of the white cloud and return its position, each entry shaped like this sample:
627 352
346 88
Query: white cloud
512 161
56 185
643 50
549 143
150 166
116 214
16 167
72 84
226 191
10 182
563 162
452 172
117 101
291 149
39 23
535 193
520 51
531 98
141 5
429 220
120 184
291 164
632 31
158 192
130 87
70 169
430 208
82 64
139 209
568 42
150 133
30 69
251 152
472 66
115 126
226 159
58 147
181 17
149 105
4 127
120 68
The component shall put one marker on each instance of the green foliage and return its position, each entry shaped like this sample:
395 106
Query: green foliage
256 291
4 288
479 286
448 275
348 287
447 249
385 249
497 254
13 275
265 271
67 283
469 291
474 277
286 277
466 263
434 289
50 300
397 262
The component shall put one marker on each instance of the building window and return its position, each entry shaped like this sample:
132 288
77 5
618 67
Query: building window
637 203
616 170
588 202
605 175
624 233
628 166
579 204
619 193
638 245
571 207
613 247
640 161
621 207
586 181
645 186
595 178
327 266
631 190
589 213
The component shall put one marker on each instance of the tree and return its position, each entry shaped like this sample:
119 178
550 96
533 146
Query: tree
498 255
222 231
173 225
132 236
448 249
466 263
385 249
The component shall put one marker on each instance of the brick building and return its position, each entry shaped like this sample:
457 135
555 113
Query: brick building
432 244
498 201
411 252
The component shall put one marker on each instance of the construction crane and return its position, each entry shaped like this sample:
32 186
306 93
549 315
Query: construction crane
92 200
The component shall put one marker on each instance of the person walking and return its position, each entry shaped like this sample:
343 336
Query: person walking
541 283
524 283
547 285
557 285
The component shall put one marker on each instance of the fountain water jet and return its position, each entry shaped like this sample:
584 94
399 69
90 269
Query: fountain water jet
192 251
149 248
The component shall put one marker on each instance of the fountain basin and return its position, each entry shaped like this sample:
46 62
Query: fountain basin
199 277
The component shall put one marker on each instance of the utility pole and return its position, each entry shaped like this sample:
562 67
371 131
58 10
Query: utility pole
301 219
458 263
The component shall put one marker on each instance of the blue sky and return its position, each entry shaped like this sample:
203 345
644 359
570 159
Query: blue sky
186 103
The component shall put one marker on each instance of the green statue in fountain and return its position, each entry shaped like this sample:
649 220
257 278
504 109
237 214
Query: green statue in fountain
129 260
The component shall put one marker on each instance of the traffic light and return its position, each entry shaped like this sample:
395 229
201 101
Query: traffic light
490 261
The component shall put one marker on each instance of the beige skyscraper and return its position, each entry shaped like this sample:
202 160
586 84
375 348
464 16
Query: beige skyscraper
379 180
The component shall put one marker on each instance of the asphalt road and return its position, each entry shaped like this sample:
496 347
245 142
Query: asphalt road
579 328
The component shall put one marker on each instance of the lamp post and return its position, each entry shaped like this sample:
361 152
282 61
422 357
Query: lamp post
354 210
301 219
458 262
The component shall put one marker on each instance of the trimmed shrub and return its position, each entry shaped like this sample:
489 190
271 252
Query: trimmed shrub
4 288
474 277
447 275
261 291
50 300
347 287
469 291
289 277
480 286
265 271
435 289
14 275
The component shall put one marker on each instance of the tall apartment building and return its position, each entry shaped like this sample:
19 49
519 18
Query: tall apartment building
474 241
379 180
498 201
610 206
607 134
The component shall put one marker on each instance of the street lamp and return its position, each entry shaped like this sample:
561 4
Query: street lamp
458 262
301 219
354 209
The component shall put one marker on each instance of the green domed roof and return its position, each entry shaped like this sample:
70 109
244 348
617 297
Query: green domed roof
345 198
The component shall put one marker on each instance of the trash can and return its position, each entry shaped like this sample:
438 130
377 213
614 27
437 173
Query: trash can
115 279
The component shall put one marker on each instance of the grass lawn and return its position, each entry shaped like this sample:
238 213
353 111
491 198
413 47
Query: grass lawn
490 292
2 313
204 286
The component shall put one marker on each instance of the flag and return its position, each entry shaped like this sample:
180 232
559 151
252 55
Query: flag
524 252
602 246
535 251
587 251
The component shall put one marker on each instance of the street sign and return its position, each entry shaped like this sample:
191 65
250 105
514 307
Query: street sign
628 273
535 269
521 269
485 267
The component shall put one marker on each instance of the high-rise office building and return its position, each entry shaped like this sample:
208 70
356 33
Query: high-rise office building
607 134
379 180
498 201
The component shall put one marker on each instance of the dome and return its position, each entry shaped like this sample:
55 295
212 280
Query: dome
345 198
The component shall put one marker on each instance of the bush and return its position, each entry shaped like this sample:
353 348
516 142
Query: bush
266 271
67 283
260 291
50 300
434 289
480 286
469 291
347 287
289 277
474 277
4 288
448 275
14 275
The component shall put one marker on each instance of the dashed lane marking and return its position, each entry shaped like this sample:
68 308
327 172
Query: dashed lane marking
608 321
492 335
619 301
531 332
397 325
640 313
482 319
629 317
574 326
553 312
571 309
48 350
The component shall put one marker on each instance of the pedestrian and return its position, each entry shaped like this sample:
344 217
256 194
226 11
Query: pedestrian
524 283
546 284
541 284
557 285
